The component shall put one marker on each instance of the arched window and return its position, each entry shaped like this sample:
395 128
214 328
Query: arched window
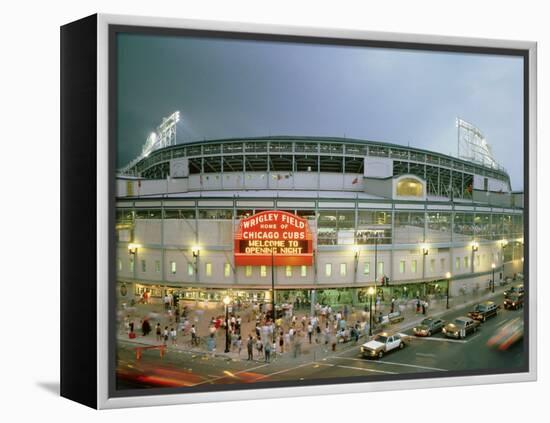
409 187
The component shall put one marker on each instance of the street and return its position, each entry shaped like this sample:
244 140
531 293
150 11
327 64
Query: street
430 355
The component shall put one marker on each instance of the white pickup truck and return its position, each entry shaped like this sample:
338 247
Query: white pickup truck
383 343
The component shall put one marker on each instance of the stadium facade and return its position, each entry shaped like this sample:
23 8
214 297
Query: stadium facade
407 221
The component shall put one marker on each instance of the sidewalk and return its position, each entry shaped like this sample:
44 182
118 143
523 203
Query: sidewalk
309 352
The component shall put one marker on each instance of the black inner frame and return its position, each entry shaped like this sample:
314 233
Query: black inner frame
181 32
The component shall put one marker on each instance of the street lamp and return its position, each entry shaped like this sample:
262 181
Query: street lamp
356 252
425 252
503 244
273 294
376 233
448 276
132 251
370 292
195 250
226 301
132 248
475 247
493 265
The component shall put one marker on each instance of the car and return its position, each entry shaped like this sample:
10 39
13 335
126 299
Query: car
507 335
383 343
460 327
428 326
514 289
484 310
513 301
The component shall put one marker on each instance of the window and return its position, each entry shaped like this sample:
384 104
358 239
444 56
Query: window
288 271
248 271
432 265
143 266
380 268
442 263
343 269
263 271
413 266
466 262
208 269
157 266
131 263
402 266
119 265
366 268
409 187
328 269
227 270
173 267
303 271
457 263
190 269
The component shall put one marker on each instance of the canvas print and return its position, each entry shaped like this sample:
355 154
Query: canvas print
293 213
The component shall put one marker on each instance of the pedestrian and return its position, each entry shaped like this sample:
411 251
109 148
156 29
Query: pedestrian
297 345
259 346
424 308
194 340
173 335
267 350
317 333
131 325
281 342
309 331
159 332
145 327
239 345
234 339
250 347
165 335
392 304
211 344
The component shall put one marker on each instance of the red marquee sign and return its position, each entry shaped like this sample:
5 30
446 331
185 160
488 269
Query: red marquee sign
273 237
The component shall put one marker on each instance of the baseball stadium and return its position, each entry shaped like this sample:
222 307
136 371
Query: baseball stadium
313 219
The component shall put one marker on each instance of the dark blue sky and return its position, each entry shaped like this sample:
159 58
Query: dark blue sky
237 88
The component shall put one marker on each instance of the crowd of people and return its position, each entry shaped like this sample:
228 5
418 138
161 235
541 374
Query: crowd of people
253 326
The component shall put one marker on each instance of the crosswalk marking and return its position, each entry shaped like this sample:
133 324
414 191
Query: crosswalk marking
365 369
427 338
391 363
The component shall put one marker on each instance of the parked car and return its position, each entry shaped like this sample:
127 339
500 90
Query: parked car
513 301
382 344
460 327
428 327
483 311
514 289
395 317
